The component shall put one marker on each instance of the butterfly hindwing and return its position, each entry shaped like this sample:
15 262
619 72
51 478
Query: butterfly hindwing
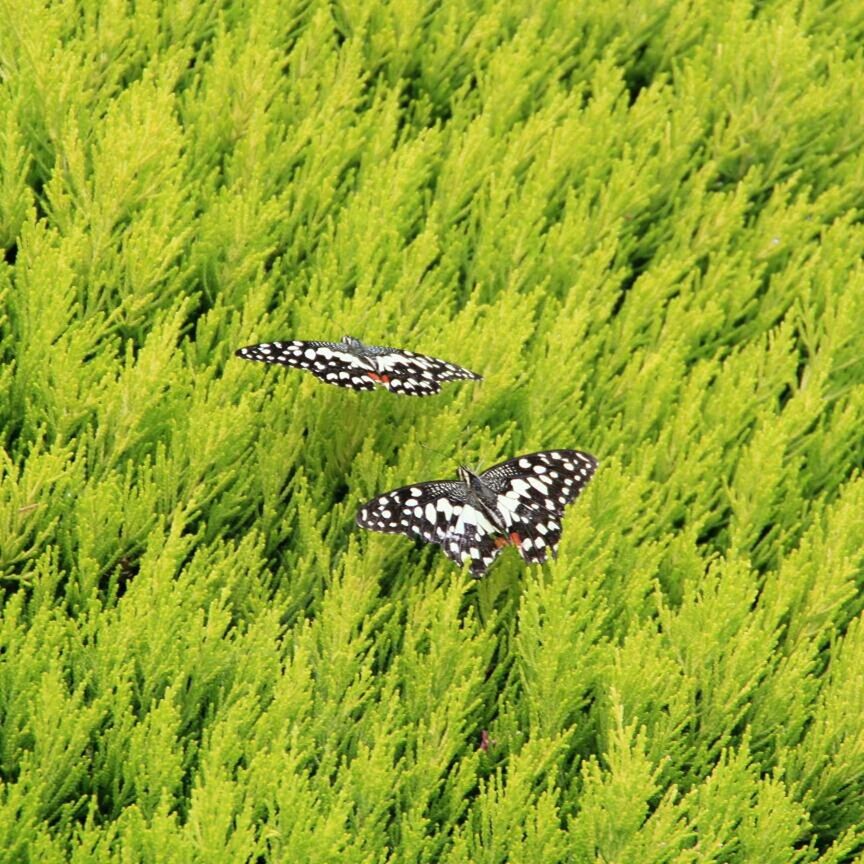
473 539
327 361
532 529
435 512
413 374
416 374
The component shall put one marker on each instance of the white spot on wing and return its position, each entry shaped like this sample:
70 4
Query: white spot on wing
386 362
507 507
445 507
472 516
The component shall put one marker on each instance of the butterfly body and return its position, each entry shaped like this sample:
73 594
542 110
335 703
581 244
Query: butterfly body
357 366
482 498
519 502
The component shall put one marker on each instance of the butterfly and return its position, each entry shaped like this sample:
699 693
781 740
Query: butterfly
517 503
352 364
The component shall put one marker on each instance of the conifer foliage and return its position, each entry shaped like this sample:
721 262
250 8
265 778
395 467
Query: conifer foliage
639 222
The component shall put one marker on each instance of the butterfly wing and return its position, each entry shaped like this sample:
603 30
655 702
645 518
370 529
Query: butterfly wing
325 360
532 492
435 512
400 371
413 374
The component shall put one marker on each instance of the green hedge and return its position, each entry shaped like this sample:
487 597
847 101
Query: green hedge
640 221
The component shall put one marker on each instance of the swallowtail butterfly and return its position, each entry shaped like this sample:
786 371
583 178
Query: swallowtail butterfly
517 503
352 364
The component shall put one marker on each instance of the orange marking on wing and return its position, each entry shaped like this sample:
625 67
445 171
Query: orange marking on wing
515 539
382 379
500 542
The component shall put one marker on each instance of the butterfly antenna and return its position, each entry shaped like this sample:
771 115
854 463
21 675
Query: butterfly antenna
368 309
434 450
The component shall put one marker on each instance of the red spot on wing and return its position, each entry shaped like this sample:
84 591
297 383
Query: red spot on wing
382 379
514 538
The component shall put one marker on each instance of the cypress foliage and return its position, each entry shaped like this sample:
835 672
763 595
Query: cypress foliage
639 222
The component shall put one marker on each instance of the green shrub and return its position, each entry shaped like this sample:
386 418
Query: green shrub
640 222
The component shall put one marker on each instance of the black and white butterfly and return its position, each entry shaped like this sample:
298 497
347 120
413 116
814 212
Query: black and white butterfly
352 364
519 502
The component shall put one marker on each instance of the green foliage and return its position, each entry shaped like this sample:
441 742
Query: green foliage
640 222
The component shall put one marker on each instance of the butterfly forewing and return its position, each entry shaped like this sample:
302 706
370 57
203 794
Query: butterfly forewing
532 492
325 360
436 512
545 481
